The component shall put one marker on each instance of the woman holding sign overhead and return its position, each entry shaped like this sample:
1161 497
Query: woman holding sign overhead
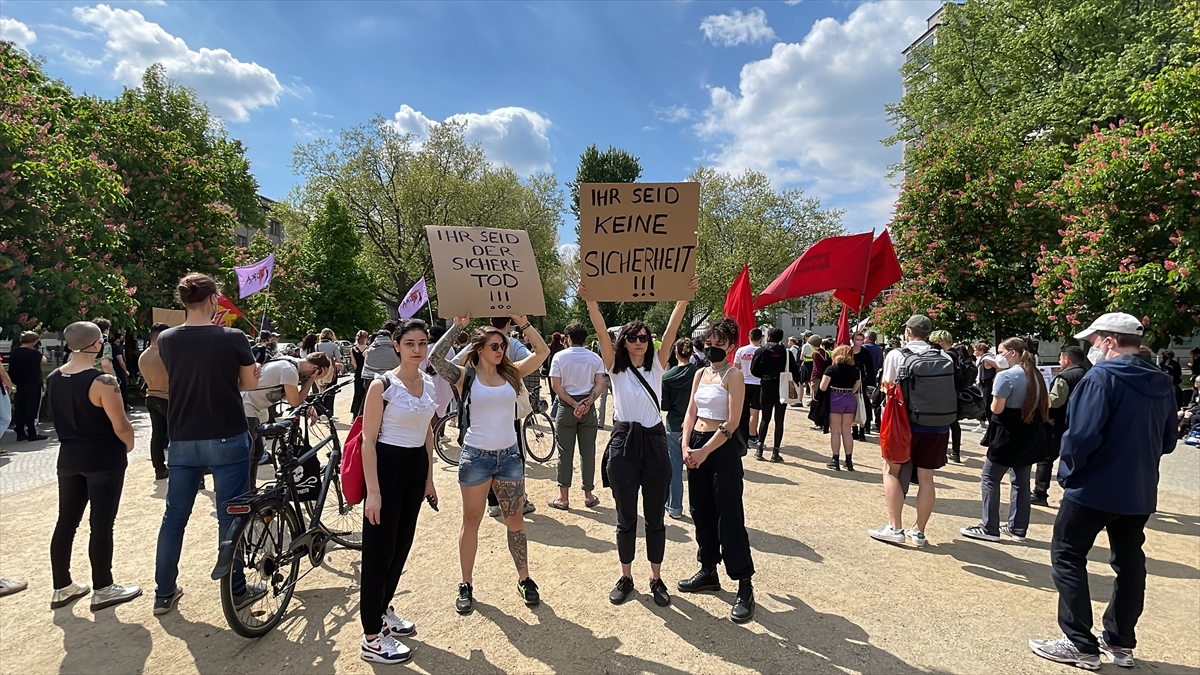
637 450
488 383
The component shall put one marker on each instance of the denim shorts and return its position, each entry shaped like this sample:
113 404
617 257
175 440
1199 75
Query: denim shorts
477 467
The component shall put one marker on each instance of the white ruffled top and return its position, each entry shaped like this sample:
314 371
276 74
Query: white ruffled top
406 417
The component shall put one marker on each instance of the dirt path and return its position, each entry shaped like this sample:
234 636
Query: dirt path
830 599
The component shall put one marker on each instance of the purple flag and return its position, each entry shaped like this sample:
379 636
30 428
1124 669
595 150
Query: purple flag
414 300
254 278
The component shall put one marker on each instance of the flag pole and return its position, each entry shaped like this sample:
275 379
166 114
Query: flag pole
866 274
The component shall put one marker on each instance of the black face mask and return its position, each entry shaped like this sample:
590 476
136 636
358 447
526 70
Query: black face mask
715 354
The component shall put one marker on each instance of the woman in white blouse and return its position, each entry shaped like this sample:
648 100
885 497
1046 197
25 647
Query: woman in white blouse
397 457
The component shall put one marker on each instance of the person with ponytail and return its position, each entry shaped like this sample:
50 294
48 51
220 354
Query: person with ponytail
1016 439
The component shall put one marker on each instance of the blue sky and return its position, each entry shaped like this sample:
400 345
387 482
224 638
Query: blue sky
792 89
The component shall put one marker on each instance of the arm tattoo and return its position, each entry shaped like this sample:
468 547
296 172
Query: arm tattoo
111 381
437 356
518 546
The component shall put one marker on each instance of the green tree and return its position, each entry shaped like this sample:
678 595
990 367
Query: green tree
395 184
288 301
346 297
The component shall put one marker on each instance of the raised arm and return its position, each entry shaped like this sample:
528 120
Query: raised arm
437 355
668 338
530 363
602 336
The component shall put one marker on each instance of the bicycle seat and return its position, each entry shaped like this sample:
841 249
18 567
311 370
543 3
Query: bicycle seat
274 430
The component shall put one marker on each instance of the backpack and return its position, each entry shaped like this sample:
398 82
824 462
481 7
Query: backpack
354 485
928 382
464 408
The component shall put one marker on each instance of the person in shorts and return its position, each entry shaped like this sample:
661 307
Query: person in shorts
743 358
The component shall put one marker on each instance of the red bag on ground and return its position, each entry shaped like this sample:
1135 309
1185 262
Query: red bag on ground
354 485
895 435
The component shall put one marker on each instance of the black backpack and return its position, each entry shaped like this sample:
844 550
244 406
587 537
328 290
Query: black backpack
927 380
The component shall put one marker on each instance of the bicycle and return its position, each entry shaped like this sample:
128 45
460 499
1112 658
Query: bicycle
537 429
277 525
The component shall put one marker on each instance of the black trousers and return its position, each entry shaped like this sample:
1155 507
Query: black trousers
1041 479
646 468
955 438
75 490
385 549
715 492
29 401
870 410
769 400
360 393
158 431
1075 531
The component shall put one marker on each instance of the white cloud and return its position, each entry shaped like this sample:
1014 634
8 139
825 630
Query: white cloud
17 33
309 129
513 136
231 87
811 114
675 113
735 27
791 2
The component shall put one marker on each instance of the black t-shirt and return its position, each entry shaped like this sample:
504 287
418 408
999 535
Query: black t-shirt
202 366
842 376
25 367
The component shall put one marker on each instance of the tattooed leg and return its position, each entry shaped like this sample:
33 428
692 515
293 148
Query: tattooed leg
518 546
511 495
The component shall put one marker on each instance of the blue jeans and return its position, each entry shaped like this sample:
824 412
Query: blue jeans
675 452
229 461
5 412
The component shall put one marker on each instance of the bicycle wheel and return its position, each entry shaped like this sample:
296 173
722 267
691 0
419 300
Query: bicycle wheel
541 437
345 521
263 545
445 439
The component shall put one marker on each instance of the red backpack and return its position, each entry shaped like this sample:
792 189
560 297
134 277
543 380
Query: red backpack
354 485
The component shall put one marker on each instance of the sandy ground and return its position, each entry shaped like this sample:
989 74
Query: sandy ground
830 599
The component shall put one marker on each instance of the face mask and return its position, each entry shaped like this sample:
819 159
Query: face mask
858 343
714 354
1096 355
1002 362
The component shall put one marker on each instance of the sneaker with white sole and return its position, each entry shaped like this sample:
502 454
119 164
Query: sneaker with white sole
917 537
68 594
494 511
383 649
113 595
1120 656
165 605
395 626
979 429
1004 530
979 532
10 586
1062 650
887 533
529 507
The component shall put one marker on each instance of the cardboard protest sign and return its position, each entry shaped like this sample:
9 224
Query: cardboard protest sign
485 272
637 241
171 317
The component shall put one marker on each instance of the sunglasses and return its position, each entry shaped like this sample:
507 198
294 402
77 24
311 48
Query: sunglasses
643 338
495 346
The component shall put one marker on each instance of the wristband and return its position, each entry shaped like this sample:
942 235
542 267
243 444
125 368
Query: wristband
525 327
721 428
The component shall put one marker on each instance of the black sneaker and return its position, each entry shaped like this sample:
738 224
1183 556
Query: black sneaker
758 454
466 599
743 606
528 589
1039 500
849 464
775 456
704 580
659 590
956 458
252 594
833 464
621 592
165 605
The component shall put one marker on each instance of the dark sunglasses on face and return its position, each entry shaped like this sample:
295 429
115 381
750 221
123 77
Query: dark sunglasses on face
643 338
495 346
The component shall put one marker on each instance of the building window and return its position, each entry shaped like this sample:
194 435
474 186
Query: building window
797 321
276 228
240 240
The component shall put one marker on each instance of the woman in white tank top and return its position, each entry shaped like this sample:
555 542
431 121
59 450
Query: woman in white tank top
636 458
713 451
488 383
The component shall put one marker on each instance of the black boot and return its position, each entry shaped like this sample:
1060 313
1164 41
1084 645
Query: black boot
704 580
775 456
849 463
743 606
833 464
758 454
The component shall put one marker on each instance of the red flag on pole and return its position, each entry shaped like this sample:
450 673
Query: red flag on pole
883 271
228 313
843 334
832 263
739 306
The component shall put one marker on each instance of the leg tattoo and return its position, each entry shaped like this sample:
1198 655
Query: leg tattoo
518 545
510 495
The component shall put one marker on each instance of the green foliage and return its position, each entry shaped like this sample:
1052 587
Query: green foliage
614 165
345 299
394 185
288 301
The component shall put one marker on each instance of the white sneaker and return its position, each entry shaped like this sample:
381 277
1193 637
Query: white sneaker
1064 651
394 625
494 511
888 533
917 537
383 649
979 429
1120 656
113 595
67 594
1004 530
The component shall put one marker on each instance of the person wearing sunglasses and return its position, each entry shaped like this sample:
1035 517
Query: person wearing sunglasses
637 456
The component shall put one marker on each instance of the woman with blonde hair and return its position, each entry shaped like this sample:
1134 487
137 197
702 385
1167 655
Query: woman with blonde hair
488 383
842 381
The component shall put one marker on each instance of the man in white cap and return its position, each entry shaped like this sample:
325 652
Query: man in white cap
1122 422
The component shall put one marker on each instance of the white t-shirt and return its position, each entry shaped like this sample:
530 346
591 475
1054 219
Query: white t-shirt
743 357
895 359
631 401
578 367
806 351
493 417
275 373
406 417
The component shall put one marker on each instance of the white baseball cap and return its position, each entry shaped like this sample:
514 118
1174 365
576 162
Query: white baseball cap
1113 322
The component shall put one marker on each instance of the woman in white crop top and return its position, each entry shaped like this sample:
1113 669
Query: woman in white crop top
488 382
713 451
636 457
397 458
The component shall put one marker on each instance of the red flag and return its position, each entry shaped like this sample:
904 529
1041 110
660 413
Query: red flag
832 263
739 306
843 334
883 271
228 313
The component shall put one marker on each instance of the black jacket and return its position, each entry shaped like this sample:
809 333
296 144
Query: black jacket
770 362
